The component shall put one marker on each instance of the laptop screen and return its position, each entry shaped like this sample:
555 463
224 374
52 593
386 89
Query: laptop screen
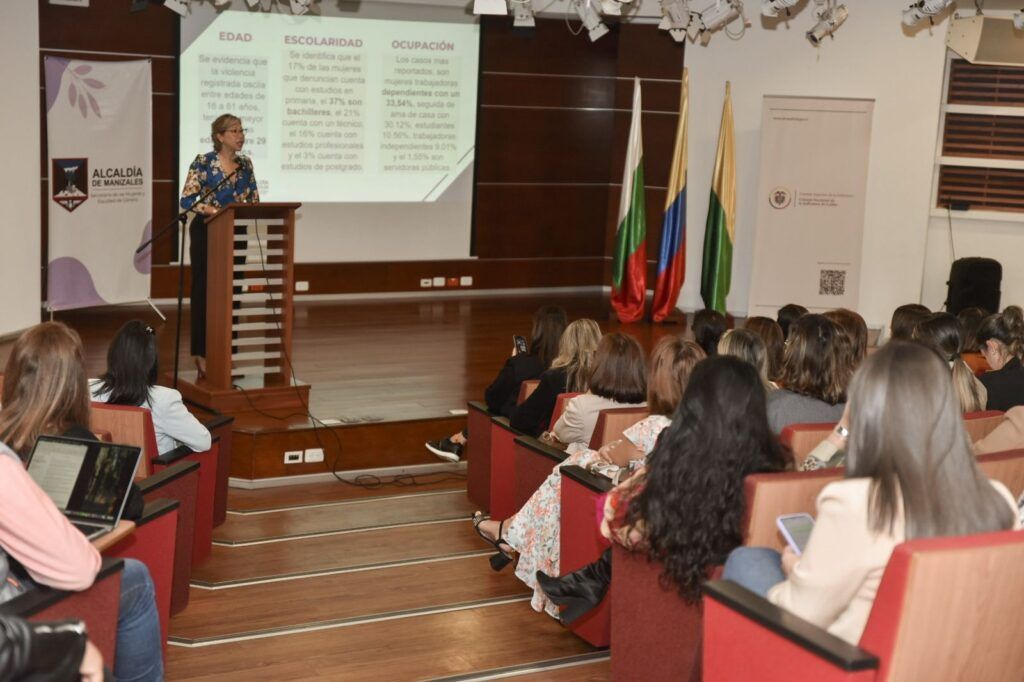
87 480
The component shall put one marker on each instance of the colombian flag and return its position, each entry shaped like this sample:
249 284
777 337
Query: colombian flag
672 260
720 232
629 267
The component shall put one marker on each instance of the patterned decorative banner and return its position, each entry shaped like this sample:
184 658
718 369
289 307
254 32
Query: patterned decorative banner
99 120
810 203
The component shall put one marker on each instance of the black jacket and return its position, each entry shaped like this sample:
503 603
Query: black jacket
1005 386
501 395
50 652
533 416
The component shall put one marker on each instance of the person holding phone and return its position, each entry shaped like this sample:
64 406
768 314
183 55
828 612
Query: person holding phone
209 186
910 474
527 362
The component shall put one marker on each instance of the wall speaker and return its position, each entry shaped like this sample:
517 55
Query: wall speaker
986 40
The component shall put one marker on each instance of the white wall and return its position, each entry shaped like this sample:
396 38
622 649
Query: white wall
20 289
870 57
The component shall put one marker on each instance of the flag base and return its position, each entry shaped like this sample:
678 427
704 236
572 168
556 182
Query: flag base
676 316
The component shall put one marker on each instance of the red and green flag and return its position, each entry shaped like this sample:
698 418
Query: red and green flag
629 266
720 232
672 258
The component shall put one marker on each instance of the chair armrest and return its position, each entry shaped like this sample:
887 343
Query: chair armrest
218 421
155 509
543 449
478 405
181 452
164 476
777 620
40 598
504 423
601 484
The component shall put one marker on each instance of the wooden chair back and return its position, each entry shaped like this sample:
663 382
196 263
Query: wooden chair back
769 496
802 438
980 424
977 362
976 584
612 422
1005 467
526 389
560 402
128 426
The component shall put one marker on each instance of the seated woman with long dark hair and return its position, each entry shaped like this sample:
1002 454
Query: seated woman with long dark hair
549 323
45 393
685 506
910 474
130 379
533 531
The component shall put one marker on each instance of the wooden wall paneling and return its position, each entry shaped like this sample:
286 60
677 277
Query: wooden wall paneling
647 52
547 48
557 215
547 90
543 145
108 25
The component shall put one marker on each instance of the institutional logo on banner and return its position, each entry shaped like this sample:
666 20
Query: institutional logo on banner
780 197
99 134
70 182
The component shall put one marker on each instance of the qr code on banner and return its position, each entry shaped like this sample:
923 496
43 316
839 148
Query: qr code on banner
832 283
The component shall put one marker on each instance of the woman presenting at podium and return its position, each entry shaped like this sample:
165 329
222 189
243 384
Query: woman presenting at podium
208 187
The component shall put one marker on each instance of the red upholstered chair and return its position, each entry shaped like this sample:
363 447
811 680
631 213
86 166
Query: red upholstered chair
478 454
534 462
134 426
655 635
768 496
980 424
1005 467
581 543
612 422
152 543
503 468
526 389
802 438
221 428
181 484
98 606
560 402
947 609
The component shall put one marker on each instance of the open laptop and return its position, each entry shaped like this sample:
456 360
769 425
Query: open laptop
87 480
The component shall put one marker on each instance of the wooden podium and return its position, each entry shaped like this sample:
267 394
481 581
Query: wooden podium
250 280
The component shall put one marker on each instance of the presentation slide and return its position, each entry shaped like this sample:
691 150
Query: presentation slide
336 109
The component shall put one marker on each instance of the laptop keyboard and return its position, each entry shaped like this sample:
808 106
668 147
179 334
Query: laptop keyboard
89 530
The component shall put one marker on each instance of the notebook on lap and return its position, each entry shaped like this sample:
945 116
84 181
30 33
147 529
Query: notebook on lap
87 480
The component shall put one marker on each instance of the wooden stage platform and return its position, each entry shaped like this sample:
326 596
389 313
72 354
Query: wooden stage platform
384 373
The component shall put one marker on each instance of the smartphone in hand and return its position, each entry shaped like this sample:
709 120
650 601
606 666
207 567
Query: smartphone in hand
520 345
796 528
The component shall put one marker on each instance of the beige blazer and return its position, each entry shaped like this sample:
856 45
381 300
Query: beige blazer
1008 435
834 583
576 425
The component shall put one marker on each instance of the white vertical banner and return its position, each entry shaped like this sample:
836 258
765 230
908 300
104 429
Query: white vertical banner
99 123
811 191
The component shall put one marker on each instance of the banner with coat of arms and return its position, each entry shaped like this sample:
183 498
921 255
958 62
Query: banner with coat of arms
99 122
810 203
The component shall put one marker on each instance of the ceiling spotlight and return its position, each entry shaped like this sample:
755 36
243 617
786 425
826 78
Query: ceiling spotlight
772 8
717 15
829 19
490 7
299 7
522 14
917 11
221 3
591 19
675 17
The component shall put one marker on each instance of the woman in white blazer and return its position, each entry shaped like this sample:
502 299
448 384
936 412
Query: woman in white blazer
130 379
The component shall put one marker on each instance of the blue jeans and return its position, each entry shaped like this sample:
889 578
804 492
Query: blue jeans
756 568
139 655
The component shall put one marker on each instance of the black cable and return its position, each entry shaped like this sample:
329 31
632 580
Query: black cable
374 481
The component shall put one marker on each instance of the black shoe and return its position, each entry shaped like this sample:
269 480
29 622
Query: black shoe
504 556
445 449
579 591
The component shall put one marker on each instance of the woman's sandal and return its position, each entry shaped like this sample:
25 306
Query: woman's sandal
502 558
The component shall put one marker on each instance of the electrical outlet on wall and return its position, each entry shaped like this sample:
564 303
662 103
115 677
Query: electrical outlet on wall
314 455
293 457
439 281
302 286
426 283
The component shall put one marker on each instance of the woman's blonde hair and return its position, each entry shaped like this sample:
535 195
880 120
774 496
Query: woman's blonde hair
576 353
746 345
220 125
941 333
907 435
45 387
